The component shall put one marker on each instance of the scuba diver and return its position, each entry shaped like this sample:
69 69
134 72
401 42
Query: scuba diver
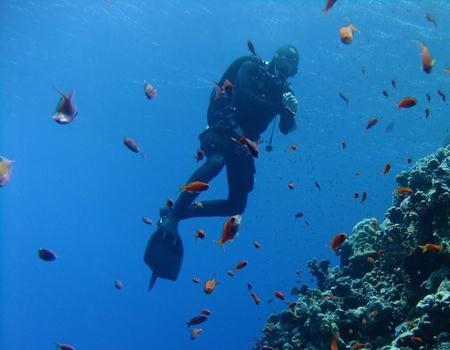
248 97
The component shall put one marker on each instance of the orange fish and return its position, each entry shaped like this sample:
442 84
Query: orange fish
430 247
328 6
407 102
416 340
427 61
257 244
210 285
225 90
252 146
195 187
346 33
358 346
230 228
241 264
279 295
334 345
337 240
404 191
200 234
255 298
387 168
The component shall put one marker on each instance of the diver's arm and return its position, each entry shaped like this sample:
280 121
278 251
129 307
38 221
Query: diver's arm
246 86
288 121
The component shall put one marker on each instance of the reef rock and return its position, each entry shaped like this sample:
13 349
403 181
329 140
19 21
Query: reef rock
392 288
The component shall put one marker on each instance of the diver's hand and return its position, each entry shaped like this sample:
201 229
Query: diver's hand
290 102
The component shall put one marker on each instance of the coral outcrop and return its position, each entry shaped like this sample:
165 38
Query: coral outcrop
392 288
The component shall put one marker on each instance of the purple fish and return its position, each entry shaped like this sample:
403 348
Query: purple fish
46 254
66 111
65 346
5 170
132 145
196 320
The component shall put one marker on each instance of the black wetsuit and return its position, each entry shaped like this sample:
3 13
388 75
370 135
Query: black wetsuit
256 98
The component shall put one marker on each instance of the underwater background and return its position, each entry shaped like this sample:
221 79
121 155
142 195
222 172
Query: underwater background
75 189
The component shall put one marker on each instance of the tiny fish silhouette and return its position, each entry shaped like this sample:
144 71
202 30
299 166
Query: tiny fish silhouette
251 47
132 145
344 97
150 90
64 346
46 254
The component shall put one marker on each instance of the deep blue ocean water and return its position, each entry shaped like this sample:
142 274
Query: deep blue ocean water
77 190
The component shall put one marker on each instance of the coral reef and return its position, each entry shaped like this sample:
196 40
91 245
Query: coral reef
392 288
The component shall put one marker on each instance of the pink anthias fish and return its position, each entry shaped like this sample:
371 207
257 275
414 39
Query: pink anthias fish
150 90
5 170
132 146
66 111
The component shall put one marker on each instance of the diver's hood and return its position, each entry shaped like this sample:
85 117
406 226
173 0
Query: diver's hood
284 61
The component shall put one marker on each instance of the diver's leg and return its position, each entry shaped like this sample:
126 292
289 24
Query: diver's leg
209 170
240 174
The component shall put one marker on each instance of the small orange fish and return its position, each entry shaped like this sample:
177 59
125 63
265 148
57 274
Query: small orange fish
346 34
279 295
427 61
210 285
430 247
334 345
223 90
328 6
5 170
241 264
200 234
230 229
371 123
416 340
371 260
252 146
255 298
358 346
206 312
374 313
195 187
257 244
387 168
407 102
337 240
404 191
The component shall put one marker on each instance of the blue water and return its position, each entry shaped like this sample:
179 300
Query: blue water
77 190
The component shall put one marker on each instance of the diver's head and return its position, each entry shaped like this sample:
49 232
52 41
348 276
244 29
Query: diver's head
285 61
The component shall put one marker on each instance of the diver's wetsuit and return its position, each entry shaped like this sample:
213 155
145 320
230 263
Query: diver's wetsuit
255 100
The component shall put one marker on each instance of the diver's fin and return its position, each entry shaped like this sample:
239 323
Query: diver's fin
152 281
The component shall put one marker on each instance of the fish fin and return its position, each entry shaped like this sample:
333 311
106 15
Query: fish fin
152 281
433 62
424 248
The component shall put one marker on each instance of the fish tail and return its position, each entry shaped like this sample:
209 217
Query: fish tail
424 248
